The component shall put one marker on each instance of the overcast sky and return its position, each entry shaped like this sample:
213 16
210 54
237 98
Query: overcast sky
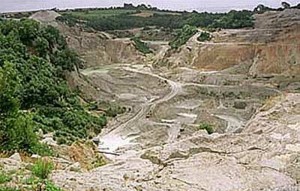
200 5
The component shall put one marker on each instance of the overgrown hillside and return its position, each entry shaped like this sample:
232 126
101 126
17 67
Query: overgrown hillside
142 16
34 95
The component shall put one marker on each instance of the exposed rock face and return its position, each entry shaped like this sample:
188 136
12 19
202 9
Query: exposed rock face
16 157
277 58
98 48
272 47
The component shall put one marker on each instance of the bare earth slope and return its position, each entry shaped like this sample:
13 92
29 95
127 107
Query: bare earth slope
264 156
272 47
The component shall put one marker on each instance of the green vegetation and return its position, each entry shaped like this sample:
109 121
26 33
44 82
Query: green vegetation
111 109
262 8
51 187
234 20
35 183
183 36
4 178
34 95
129 17
94 14
8 189
205 126
141 46
204 36
42 169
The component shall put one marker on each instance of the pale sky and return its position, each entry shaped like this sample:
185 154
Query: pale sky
199 5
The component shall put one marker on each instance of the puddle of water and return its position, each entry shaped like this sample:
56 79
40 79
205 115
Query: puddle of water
189 115
110 143
127 96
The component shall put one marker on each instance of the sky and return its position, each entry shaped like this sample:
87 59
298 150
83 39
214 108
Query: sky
199 5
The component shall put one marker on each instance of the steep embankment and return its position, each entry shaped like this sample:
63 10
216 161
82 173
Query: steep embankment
98 48
269 48
95 48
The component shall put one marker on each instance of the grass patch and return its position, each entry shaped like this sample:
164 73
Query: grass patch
8 189
4 178
51 187
205 126
94 14
42 169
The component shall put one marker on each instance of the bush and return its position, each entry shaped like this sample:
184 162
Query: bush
42 168
183 36
33 89
141 46
204 36
209 128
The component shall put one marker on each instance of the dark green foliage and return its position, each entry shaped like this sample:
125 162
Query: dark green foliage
183 36
234 20
204 36
209 128
141 46
285 5
16 132
120 19
33 90
9 85
296 7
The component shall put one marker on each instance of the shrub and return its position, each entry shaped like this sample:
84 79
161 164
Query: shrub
141 46
34 93
205 126
42 168
183 36
204 36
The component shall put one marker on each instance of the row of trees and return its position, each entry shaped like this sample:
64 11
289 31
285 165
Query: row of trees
285 5
233 19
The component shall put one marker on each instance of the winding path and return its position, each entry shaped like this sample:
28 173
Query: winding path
113 139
